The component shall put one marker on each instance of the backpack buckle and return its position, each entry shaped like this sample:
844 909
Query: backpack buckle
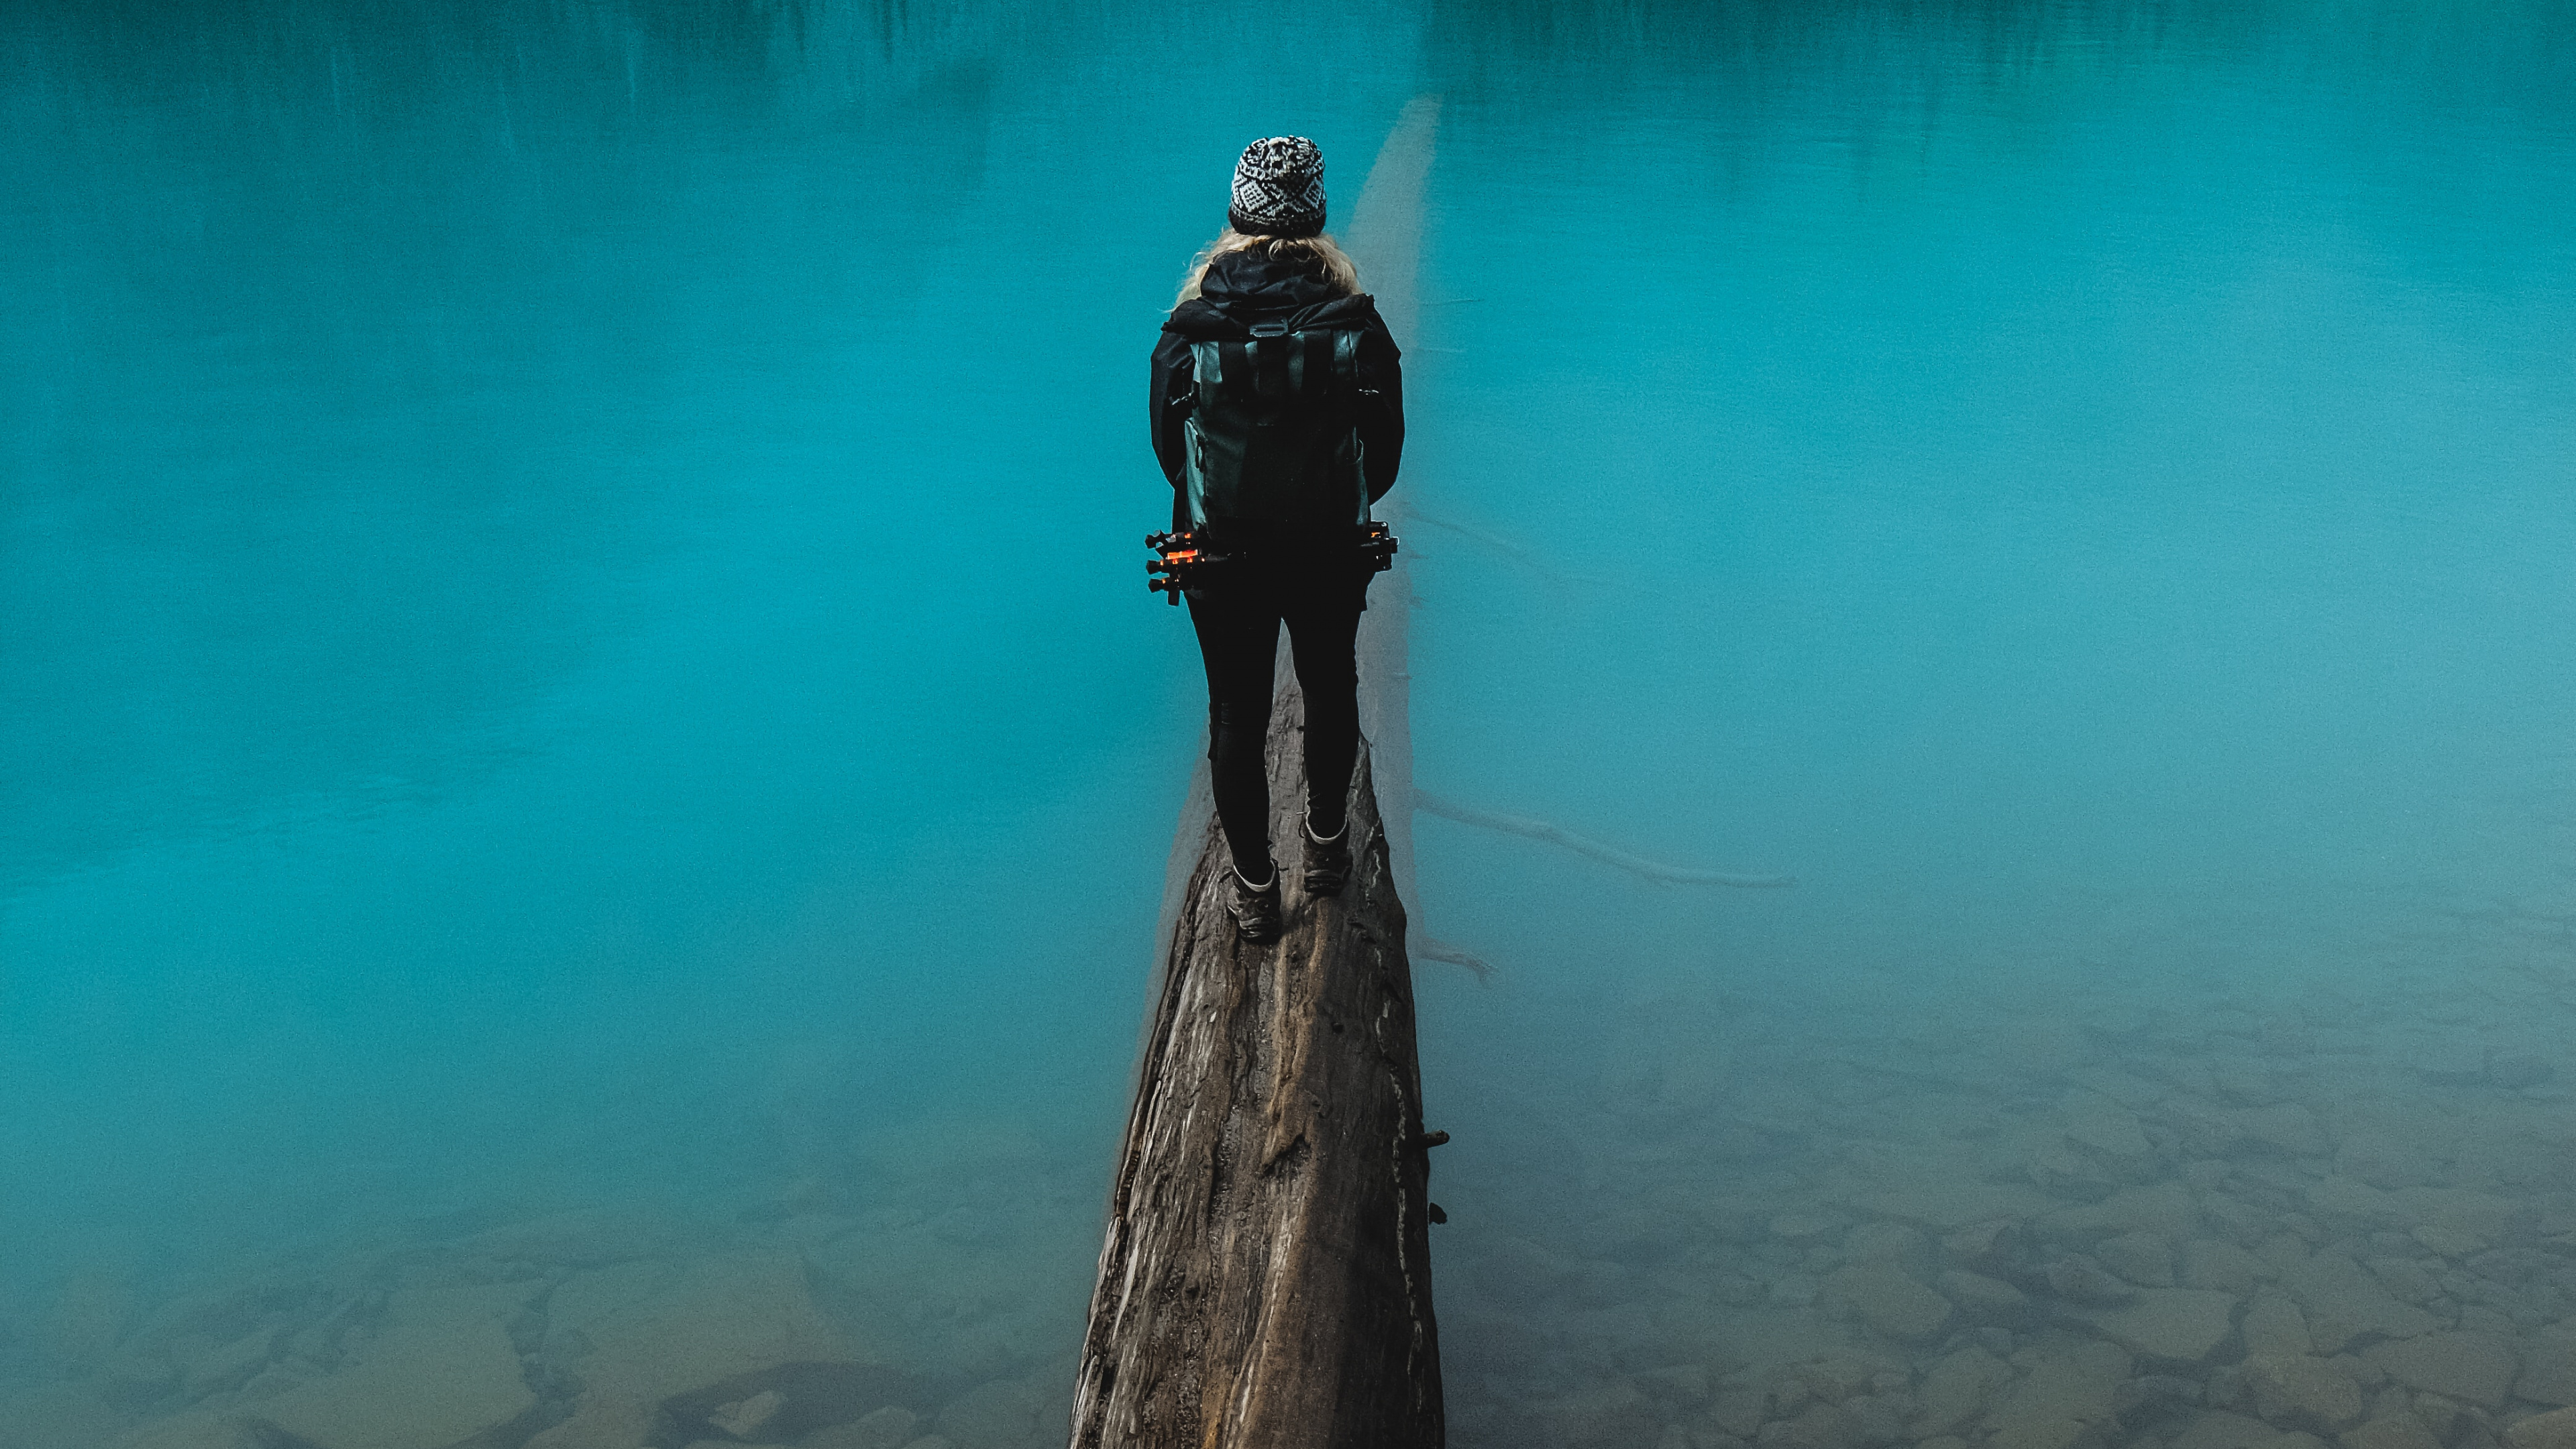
1269 329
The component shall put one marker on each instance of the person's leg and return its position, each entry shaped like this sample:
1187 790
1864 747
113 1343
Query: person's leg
1238 633
1323 619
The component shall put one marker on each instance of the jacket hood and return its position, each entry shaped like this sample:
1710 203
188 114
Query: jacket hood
1242 282
1241 289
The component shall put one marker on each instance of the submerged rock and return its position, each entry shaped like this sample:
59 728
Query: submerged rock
56 1414
2344 1303
2475 1368
1606 1414
2286 1128
2096 1123
2214 1264
2553 1430
439 1371
652 1342
2078 1279
2342 1198
2548 1368
2275 1328
1983 1298
2396 1431
1882 1296
1005 1414
199 1430
745 1418
1957 1389
2516 1070
2303 1393
2068 1397
2175 1327
2062 1171
2219 1429
2143 1258
2166 1209
887 1428
230 1365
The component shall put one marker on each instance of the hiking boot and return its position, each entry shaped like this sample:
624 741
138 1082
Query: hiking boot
1255 908
1328 861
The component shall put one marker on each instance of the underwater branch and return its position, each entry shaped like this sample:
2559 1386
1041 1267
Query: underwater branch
1585 845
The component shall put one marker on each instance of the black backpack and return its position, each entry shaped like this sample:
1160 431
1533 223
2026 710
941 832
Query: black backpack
1272 437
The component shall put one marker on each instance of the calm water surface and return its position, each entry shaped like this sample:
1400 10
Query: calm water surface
571 627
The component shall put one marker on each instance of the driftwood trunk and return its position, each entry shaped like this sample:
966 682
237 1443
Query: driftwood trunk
1266 1281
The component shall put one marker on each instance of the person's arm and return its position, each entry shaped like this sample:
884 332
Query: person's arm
1382 415
1173 377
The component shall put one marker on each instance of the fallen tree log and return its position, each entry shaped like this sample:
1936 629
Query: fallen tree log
1266 1280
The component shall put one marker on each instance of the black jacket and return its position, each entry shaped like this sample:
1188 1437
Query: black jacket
1241 289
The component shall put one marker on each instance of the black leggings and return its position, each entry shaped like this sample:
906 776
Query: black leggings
1238 623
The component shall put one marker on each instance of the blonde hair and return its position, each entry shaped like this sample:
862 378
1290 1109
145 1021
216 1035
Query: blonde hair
1317 251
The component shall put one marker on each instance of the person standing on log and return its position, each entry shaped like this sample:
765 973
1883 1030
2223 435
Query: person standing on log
1278 417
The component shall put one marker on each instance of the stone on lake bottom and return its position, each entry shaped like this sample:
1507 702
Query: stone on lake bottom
2449 1241
1948 1204
2345 1303
2213 1263
891 1427
2221 1430
2515 1070
1004 1414
2303 1393
2476 1368
2166 1209
2274 1327
2143 1258
2078 1279
2286 1128
2096 1122
2174 1326
1981 1297
2068 1397
1890 1302
745 1418
1803 1228
1957 1389
2553 1430
2397 1431
1609 1413
2156 1391
198 1430
230 1365
2411 1281
2343 1197
440 1371
2548 1369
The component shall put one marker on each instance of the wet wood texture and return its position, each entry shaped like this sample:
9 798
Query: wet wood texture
1266 1279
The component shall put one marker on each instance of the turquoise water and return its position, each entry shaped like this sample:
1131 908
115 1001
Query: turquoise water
573 626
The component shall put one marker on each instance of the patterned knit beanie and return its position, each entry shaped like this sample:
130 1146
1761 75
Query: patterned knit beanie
1279 188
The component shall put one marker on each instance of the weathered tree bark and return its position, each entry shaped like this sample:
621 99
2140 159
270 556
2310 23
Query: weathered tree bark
1266 1281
